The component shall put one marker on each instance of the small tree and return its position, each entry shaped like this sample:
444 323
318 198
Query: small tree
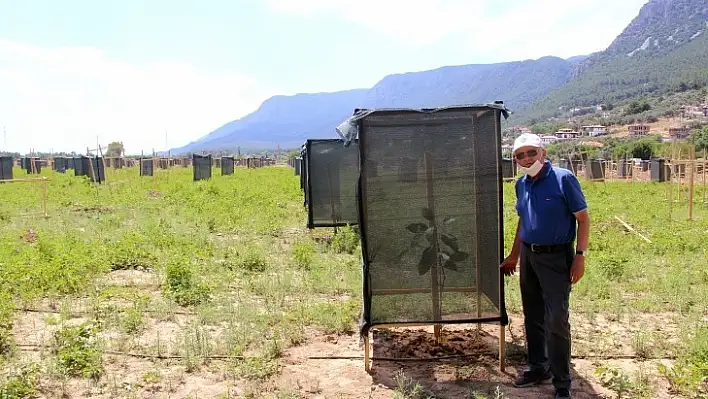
700 139
115 149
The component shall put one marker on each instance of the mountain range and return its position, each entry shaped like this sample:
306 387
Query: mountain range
663 49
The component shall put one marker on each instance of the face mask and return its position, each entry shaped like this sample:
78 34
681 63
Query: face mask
533 169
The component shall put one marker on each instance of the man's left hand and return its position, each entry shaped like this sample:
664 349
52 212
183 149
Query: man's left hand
578 269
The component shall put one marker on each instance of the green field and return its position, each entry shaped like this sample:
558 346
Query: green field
166 287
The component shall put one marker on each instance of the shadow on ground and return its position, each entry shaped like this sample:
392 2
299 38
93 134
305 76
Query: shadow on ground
456 377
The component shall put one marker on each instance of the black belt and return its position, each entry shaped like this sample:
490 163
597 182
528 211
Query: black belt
537 249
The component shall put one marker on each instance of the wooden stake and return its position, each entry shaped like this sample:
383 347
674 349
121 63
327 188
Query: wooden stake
44 196
630 228
690 184
367 354
671 188
435 281
502 348
704 177
678 177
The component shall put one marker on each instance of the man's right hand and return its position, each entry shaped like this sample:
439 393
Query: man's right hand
508 266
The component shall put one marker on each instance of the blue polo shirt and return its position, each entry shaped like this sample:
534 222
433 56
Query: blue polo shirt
547 205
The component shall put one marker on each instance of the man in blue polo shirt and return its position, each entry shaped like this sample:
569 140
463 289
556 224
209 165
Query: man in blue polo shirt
551 206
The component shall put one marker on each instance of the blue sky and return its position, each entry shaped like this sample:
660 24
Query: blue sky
130 70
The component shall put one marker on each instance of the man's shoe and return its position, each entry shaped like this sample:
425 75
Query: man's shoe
562 393
529 378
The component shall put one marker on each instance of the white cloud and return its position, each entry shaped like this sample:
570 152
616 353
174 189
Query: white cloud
512 30
417 22
63 98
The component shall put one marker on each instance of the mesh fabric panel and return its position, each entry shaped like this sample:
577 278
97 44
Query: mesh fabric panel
60 164
202 166
227 165
594 169
79 166
6 168
398 194
624 168
146 167
332 173
659 171
31 165
98 174
508 168
303 177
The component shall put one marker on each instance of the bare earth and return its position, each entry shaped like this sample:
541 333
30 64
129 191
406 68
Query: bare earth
472 363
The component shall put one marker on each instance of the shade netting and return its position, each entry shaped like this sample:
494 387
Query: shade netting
60 164
147 166
332 173
201 165
227 165
94 168
430 215
6 164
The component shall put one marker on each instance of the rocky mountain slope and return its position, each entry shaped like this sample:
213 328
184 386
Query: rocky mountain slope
289 120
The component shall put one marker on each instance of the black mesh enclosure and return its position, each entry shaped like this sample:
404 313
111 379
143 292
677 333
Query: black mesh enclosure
297 167
227 165
660 172
430 216
98 174
201 166
31 165
146 167
6 168
60 164
508 168
332 173
624 168
70 163
79 166
595 169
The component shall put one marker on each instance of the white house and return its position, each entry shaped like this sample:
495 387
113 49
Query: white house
567 134
594 130
548 139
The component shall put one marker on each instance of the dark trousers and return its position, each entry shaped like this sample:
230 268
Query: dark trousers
545 294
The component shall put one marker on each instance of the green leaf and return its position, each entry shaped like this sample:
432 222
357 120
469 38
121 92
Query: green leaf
426 261
450 241
459 256
428 214
450 265
417 227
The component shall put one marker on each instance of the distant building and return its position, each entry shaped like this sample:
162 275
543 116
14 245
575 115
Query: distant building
594 130
548 139
567 134
638 130
679 132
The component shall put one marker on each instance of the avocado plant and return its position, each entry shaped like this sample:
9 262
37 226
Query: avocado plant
438 248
